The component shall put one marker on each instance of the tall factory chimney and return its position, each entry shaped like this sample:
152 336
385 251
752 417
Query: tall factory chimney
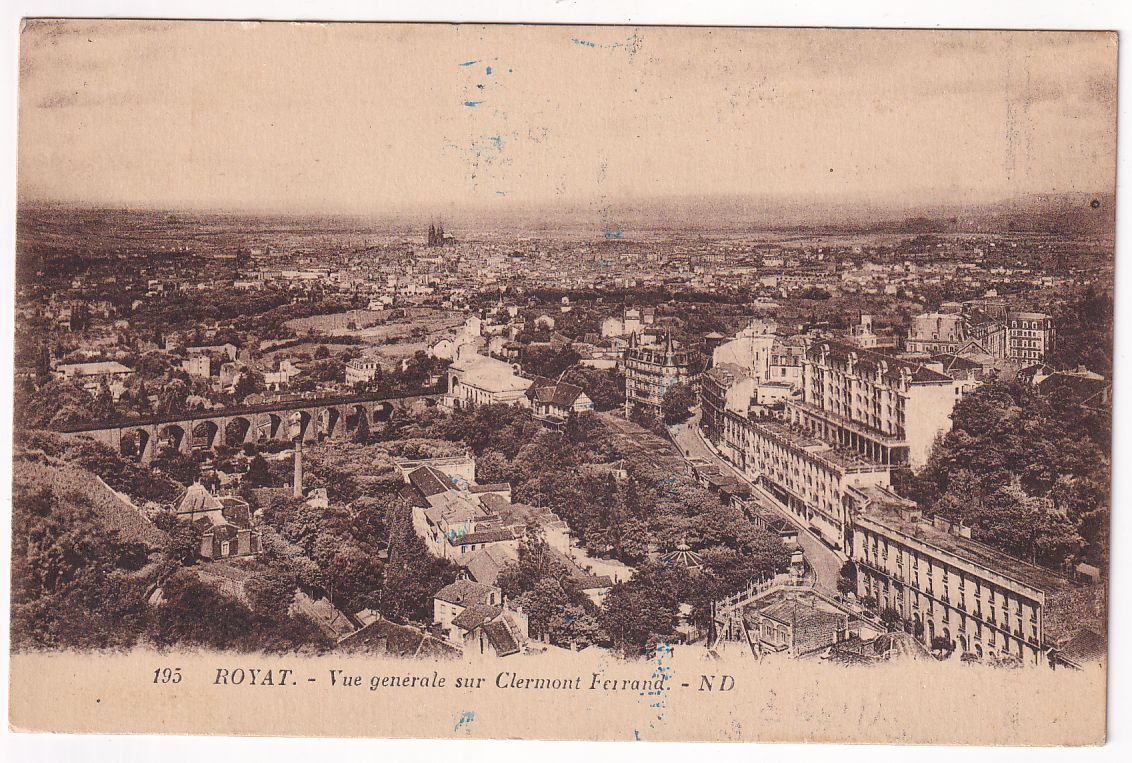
298 488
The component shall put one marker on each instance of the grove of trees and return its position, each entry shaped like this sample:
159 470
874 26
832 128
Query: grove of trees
1029 473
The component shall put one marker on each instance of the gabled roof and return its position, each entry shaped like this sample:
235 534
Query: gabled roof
196 499
384 637
953 362
465 593
549 392
1086 646
797 613
500 637
430 481
1080 389
237 511
476 615
486 564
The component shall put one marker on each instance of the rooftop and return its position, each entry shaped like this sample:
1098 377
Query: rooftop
913 525
801 439
874 362
430 481
384 637
466 592
94 369
550 392
500 637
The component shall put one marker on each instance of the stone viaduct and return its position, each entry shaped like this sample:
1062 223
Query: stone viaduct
311 420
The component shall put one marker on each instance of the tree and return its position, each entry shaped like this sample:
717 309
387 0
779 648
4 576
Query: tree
535 563
75 582
411 575
258 473
173 397
1028 473
321 352
492 466
184 538
179 467
543 605
272 591
573 626
103 401
605 387
141 399
677 403
891 618
847 580
57 403
249 383
642 610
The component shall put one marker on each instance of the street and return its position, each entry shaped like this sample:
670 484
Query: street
825 563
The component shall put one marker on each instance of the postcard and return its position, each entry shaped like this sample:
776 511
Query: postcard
563 382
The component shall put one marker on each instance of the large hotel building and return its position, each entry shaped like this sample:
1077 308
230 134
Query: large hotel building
824 455
886 409
980 600
859 414
650 371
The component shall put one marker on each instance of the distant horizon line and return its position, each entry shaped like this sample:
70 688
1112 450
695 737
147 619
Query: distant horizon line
796 204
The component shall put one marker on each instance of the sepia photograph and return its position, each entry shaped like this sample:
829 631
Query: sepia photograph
568 382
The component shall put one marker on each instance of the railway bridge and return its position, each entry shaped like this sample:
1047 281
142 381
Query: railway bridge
305 419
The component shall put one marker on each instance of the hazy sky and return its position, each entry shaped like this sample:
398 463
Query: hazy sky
364 118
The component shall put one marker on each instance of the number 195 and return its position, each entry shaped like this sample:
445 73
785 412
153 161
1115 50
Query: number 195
167 676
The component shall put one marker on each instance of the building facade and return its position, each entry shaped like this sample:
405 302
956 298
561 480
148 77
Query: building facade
936 333
978 600
651 371
361 370
1021 336
887 409
1029 336
815 482
479 380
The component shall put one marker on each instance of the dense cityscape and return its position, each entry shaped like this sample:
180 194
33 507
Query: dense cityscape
435 437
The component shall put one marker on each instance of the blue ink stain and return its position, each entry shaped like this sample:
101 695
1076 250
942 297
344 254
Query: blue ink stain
586 43
636 735
488 71
469 63
497 141
500 193
472 104
466 718
612 234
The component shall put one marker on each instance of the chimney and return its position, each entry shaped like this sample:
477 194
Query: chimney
298 485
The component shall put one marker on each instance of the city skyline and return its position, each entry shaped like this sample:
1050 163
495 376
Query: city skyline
147 113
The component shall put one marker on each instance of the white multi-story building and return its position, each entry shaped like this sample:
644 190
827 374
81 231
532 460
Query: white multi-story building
816 482
887 409
979 600
361 370
1029 336
479 380
937 333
